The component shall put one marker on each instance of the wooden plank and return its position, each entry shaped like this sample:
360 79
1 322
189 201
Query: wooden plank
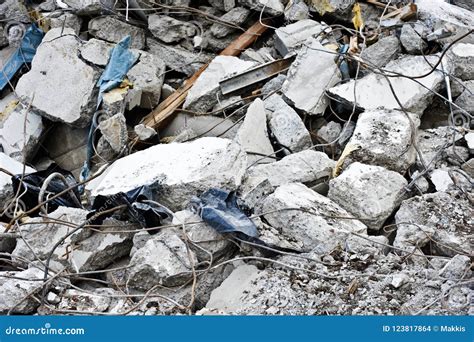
165 110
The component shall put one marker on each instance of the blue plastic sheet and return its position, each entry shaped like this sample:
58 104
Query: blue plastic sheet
25 53
219 209
120 61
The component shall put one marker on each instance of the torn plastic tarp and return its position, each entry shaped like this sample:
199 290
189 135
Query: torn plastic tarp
120 61
219 209
146 214
24 54
29 188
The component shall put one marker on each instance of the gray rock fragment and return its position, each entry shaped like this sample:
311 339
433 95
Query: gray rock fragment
456 268
114 131
163 260
309 76
462 58
411 38
384 138
168 29
57 69
383 51
271 7
286 125
114 30
16 298
291 37
296 10
253 135
236 16
371 193
96 51
67 20
442 220
315 228
466 102
90 7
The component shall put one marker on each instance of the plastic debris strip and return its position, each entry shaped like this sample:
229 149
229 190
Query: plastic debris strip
344 66
140 207
24 54
29 188
220 210
120 61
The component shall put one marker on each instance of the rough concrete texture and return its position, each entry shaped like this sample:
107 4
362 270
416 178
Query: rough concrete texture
309 76
312 225
462 57
114 30
15 297
371 193
466 99
253 135
236 16
207 239
89 7
373 91
20 133
382 52
168 29
205 92
178 58
441 221
67 20
96 51
114 131
271 7
291 37
308 167
286 125
57 69
384 138
163 260
176 171
411 38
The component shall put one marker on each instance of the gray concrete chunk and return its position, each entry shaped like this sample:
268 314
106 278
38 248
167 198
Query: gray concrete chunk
291 37
168 29
371 193
57 69
114 30
309 76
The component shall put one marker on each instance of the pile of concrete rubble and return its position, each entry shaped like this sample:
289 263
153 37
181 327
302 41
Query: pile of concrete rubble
309 157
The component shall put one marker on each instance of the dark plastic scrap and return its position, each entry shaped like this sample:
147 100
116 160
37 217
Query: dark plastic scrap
25 53
30 187
220 210
146 214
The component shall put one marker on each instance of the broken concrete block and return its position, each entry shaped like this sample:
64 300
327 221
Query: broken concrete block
456 268
205 92
114 131
466 100
383 51
170 30
433 143
144 132
271 7
113 30
228 296
309 76
57 69
286 125
16 298
373 207
101 249
6 189
14 10
411 38
438 13
178 58
96 51
253 135
373 90
332 6
203 235
7 243
384 138
274 84
223 5
296 10
20 133
462 58
163 260
41 237
308 167
67 20
441 179
83 301
330 132
291 37
148 76
90 7
176 171
313 224
468 167
236 16
441 220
